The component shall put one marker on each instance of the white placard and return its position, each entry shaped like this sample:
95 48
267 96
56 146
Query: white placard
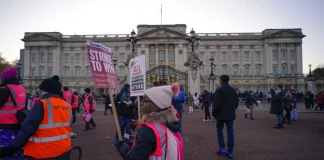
137 75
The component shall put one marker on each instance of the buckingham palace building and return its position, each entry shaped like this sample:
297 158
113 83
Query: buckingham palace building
254 61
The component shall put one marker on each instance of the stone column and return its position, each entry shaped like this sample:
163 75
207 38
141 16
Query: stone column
268 62
193 73
299 64
27 63
147 57
37 61
166 56
156 54
176 55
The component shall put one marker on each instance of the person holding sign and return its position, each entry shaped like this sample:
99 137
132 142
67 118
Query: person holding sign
158 136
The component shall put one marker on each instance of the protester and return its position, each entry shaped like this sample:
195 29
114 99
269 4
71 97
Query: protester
249 104
177 103
89 106
35 99
50 117
158 136
12 99
75 105
277 106
225 103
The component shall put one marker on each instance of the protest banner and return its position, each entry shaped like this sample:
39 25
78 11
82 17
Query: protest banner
104 73
137 79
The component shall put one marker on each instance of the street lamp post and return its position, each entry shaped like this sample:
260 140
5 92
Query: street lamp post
133 40
19 66
212 75
193 39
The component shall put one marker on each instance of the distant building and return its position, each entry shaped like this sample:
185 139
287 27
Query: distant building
254 61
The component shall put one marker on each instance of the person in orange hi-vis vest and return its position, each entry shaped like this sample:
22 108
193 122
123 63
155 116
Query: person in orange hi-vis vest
46 131
35 98
89 106
12 98
158 136
75 105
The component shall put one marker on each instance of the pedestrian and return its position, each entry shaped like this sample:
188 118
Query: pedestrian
293 112
35 99
191 103
107 104
45 134
12 99
319 100
67 95
196 101
249 104
225 103
277 106
177 103
206 104
125 111
287 106
269 97
75 105
89 106
158 137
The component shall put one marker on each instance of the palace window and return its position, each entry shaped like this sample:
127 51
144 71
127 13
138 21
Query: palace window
283 54
274 70
67 57
77 72
235 56
152 56
235 70
50 58
33 72
212 54
50 72
246 55
224 56
88 72
33 57
67 72
42 56
291 69
171 56
41 71
292 54
258 70
274 54
78 57
283 70
224 69
161 56
258 56
246 70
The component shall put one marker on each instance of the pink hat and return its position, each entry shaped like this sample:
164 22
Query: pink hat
9 73
162 95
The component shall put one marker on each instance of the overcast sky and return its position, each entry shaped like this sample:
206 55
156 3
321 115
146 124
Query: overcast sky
120 16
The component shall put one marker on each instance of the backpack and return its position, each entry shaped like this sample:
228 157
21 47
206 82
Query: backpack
174 146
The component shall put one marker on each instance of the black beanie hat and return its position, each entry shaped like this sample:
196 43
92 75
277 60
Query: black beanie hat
87 90
56 77
51 85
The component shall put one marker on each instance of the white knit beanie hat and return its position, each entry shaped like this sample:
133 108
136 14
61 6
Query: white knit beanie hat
162 95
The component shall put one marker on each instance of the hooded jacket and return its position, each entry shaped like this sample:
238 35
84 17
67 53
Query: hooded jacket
145 139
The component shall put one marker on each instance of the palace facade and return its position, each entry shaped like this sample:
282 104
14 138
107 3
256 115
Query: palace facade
254 61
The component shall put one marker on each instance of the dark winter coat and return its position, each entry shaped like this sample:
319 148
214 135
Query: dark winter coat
277 103
225 103
145 143
288 101
250 100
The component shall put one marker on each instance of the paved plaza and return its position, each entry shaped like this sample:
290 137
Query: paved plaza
254 140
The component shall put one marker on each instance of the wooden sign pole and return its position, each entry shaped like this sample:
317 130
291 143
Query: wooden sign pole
139 109
115 115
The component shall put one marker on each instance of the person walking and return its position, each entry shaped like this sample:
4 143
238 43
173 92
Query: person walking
35 99
196 101
293 112
12 100
287 106
75 105
277 106
46 131
89 106
191 103
206 104
158 138
225 103
249 104
177 103
107 103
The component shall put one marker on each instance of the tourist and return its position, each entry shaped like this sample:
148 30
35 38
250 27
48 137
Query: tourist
196 101
319 100
75 105
206 104
158 136
225 103
90 107
177 103
277 106
191 103
293 112
249 104
269 97
287 106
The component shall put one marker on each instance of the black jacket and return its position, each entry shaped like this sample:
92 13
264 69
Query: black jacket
250 100
225 103
145 143
277 103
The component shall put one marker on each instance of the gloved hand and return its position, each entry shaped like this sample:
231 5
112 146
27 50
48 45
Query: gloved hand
123 147
7 151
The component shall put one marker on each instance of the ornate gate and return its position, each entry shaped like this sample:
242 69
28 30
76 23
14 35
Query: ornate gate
168 74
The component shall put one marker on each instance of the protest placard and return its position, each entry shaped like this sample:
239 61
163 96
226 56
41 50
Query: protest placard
137 75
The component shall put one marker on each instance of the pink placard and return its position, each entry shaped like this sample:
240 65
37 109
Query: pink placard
102 66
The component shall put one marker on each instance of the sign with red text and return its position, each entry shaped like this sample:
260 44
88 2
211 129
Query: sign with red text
102 66
137 75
